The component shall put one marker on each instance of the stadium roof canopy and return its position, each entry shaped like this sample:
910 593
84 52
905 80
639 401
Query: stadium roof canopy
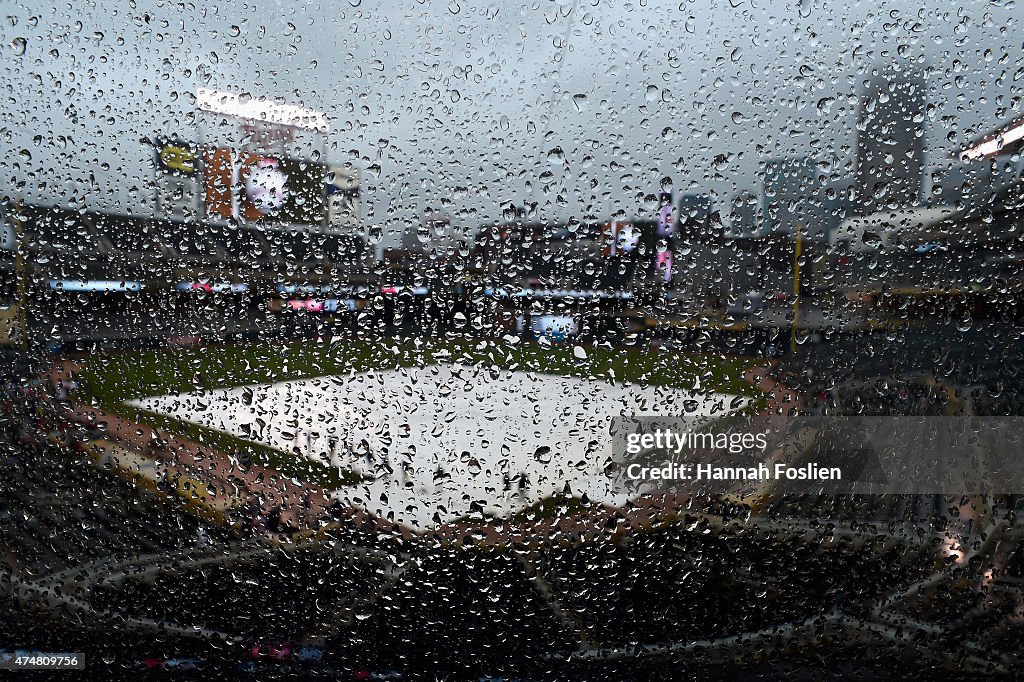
1007 139
868 233
981 218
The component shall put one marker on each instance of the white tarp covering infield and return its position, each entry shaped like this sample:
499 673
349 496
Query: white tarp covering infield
438 439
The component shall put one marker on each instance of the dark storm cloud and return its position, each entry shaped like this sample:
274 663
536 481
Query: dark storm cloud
581 107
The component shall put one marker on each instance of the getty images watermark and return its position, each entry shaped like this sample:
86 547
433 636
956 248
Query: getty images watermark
818 455
734 443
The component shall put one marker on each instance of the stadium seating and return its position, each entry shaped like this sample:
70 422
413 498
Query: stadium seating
129 235
59 512
51 229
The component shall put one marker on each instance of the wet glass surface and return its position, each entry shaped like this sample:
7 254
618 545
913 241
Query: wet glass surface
320 326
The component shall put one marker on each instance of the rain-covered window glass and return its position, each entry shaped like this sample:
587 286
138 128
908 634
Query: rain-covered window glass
550 340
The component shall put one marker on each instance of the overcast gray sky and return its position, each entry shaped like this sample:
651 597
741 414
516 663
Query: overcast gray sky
464 105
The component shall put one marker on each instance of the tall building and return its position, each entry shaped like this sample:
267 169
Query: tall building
745 214
838 204
794 198
890 142
699 222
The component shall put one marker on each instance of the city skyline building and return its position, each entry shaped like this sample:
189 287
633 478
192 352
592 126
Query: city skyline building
794 198
890 158
699 222
745 214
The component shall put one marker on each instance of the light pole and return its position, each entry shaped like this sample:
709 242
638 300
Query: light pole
20 275
797 251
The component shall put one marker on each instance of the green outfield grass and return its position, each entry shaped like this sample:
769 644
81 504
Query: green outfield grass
112 379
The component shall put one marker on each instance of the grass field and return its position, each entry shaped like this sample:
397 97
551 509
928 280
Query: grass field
111 380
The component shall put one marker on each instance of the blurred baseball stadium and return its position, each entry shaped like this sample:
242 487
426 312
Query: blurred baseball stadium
253 433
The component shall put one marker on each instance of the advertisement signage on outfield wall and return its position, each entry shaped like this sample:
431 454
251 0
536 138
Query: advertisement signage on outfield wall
94 285
213 287
554 327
